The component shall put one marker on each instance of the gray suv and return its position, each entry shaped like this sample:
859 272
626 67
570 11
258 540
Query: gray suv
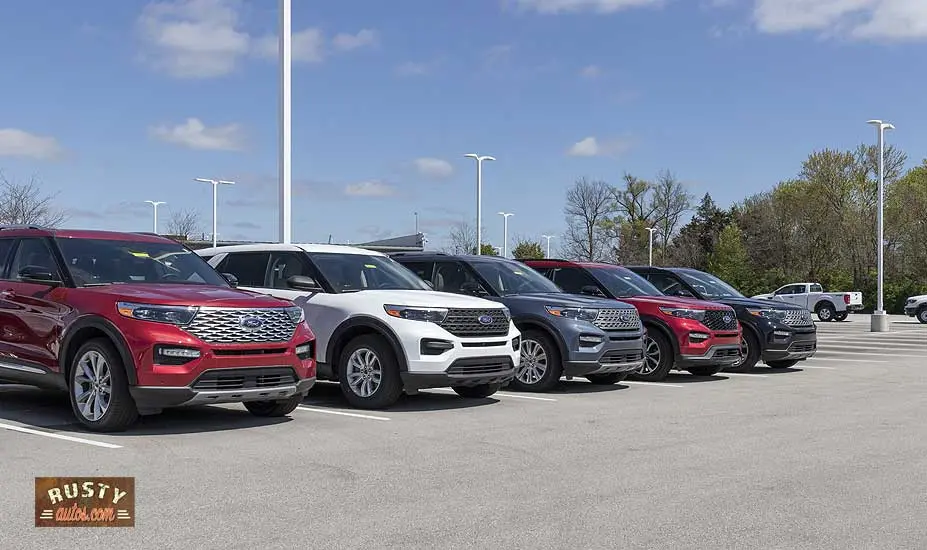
562 334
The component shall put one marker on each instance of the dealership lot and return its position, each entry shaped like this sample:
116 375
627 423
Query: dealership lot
829 454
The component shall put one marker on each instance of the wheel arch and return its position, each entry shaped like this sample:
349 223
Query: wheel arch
359 326
553 334
90 327
663 328
822 302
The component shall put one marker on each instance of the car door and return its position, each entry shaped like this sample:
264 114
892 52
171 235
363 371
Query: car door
456 277
33 312
669 284
792 294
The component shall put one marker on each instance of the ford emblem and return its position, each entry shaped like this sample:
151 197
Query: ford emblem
485 319
625 317
251 323
727 318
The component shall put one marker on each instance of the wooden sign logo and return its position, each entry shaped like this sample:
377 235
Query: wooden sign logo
85 502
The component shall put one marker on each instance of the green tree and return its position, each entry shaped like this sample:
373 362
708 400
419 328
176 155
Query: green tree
729 260
486 249
528 250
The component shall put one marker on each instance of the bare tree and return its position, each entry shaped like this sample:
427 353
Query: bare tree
671 201
25 204
588 207
183 223
462 239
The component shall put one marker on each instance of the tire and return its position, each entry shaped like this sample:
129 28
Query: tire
477 392
705 370
96 363
789 363
373 353
825 312
922 315
751 344
540 367
659 357
842 316
607 379
269 409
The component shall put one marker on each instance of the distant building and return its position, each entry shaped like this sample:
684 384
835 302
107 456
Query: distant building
405 243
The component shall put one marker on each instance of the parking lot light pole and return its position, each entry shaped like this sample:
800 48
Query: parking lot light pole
479 195
651 230
879 321
285 160
154 224
548 237
505 232
215 202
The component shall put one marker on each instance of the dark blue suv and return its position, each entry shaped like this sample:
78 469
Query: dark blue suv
562 334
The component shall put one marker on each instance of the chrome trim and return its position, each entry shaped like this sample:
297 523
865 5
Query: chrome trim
710 355
22 368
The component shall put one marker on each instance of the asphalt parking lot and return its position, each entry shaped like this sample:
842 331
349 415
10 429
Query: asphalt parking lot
829 454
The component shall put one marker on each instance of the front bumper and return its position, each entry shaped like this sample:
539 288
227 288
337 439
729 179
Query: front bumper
910 311
430 350
798 346
469 371
614 356
717 354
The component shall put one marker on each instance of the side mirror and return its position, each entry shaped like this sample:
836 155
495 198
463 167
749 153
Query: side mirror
38 274
301 282
591 290
683 293
232 279
430 284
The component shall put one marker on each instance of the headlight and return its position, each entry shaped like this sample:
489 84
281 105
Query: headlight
910 301
507 313
174 315
684 313
579 313
296 314
772 314
430 314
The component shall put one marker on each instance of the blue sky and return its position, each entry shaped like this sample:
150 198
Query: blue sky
113 102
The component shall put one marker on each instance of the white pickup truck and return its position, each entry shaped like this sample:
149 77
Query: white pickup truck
829 306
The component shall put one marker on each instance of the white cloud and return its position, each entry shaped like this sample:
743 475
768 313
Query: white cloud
19 143
369 189
433 168
861 19
575 6
591 71
591 147
208 38
193 134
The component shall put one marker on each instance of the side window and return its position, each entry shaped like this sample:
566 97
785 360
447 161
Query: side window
5 246
284 265
424 270
455 277
249 267
572 280
33 255
817 288
667 284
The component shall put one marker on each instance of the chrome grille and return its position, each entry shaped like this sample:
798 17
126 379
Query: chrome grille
798 318
618 319
720 319
224 325
466 322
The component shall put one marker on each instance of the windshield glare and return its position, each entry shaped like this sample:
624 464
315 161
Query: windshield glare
356 272
101 261
623 283
507 278
709 286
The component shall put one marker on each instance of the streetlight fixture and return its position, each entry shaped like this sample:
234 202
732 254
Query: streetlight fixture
505 232
548 237
285 159
879 321
479 195
651 230
215 201
416 222
154 225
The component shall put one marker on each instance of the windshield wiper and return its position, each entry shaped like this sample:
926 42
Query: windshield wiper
99 284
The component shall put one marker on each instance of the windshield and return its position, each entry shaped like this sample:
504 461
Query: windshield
356 272
94 262
709 286
623 283
507 278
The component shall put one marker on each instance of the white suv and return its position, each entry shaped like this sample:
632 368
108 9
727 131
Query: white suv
379 328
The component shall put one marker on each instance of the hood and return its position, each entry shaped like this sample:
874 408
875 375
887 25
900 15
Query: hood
562 298
917 298
187 295
424 298
763 296
752 302
672 301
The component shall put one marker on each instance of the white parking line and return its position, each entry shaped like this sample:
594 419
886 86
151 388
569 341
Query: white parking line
658 384
60 436
341 413
497 394
815 367
722 373
882 354
845 360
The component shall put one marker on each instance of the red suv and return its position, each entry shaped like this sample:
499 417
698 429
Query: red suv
130 324
682 333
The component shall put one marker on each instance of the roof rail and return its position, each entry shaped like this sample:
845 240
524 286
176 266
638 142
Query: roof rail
417 253
545 260
23 226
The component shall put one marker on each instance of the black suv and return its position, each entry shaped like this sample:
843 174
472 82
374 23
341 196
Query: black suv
780 334
562 334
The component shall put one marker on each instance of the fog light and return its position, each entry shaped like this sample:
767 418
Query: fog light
589 340
180 352
516 343
432 346
164 355
305 351
699 336
781 333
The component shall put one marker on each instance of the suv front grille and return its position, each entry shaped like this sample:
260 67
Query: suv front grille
618 319
720 319
241 379
467 322
798 318
224 326
619 356
480 366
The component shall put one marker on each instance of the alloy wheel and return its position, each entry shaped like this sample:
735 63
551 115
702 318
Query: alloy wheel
744 352
652 357
533 363
364 372
93 386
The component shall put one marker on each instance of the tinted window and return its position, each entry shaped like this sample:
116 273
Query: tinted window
249 268
816 288
573 279
104 261
709 285
665 283
513 278
455 277
423 269
623 283
284 265
5 246
34 254
355 272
